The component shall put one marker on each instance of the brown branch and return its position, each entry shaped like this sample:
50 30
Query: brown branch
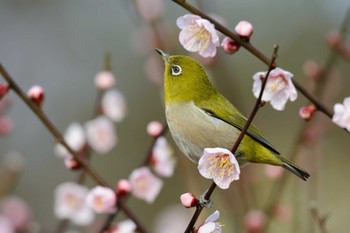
257 106
248 46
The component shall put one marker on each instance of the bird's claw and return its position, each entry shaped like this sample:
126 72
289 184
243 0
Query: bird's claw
205 202
237 154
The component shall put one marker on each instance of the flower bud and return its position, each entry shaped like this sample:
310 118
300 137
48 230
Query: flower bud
307 112
36 95
244 29
123 187
104 80
188 200
6 125
154 128
254 221
229 45
334 39
311 69
4 88
71 163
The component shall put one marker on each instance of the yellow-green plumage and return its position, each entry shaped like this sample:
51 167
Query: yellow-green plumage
199 117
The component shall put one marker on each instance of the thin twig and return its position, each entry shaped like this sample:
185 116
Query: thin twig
248 46
320 220
257 105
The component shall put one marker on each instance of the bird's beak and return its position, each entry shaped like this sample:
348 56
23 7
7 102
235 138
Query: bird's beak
165 56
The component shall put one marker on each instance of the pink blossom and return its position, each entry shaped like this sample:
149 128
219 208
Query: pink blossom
210 225
145 185
6 125
198 35
273 172
341 115
104 80
70 203
5 226
36 95
150 10
17 212
162 158
254 221
229 45
126 226
188 200
282 212
101 134
113 105
75 138
155 128
123 187
102 200
244 29
307 112
279 88
220 165
4 88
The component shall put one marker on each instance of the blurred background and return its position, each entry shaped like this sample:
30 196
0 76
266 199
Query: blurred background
60 45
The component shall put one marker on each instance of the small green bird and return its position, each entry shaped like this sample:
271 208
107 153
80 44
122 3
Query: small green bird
199 117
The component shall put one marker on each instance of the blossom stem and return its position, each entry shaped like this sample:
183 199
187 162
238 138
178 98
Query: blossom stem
257 106
320 220
248 46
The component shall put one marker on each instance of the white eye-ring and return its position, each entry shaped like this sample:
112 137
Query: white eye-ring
176 70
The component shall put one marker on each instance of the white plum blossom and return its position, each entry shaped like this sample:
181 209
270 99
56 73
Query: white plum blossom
113 105
101 134
162 158
341 115
70 203
144 184
198 35
220 165
278 90
155 128
101 200
126 226
75 138
210 225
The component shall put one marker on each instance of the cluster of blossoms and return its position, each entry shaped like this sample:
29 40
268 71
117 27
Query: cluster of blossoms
199 35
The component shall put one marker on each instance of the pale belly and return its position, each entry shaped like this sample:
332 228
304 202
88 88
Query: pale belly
193 130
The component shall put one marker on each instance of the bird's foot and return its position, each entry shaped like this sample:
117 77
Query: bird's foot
205 203
237 154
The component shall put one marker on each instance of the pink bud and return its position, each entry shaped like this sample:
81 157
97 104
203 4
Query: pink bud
188 200
6 125
311 69
345 51
17 212
104 80
254 221
307 112
334 39
36 95
244 29
282 212
154 128
273 172
123 187
229 45
4 88
71 163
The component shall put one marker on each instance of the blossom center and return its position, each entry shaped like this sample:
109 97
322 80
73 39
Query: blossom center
276 84
221 165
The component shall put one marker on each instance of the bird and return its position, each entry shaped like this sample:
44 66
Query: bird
198 117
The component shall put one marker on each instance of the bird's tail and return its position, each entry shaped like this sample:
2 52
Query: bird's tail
301 173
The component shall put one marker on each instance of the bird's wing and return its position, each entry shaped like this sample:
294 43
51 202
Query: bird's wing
229 114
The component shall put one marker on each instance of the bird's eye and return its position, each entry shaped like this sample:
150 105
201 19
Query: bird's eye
176 70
